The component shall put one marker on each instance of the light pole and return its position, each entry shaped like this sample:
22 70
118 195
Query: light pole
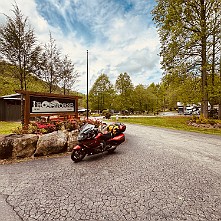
87 84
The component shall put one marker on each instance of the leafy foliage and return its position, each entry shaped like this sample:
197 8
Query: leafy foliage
126 98
9 82
68 76
101 94
44 127
49 64
124 89
22 59
18 45
190 46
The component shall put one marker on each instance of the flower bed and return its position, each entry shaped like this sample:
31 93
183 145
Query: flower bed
44 127
42 138
204 122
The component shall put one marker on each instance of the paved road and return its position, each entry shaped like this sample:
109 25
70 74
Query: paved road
157 174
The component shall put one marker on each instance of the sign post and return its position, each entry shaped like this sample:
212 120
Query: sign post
87 85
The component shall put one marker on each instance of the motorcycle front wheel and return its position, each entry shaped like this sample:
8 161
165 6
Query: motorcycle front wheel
78 155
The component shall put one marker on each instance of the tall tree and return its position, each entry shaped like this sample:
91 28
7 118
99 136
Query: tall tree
18 47
124 89
154 98
182 86
68 75
187 30
49 70
101 94
140 98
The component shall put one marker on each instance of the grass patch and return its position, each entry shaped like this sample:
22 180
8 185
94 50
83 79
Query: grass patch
7 127
177 123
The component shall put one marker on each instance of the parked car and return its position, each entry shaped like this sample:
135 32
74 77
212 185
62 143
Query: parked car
196 112
188 111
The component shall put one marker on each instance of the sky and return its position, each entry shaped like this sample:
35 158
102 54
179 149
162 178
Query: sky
119 35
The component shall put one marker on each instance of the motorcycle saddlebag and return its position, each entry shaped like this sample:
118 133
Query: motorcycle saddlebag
119 139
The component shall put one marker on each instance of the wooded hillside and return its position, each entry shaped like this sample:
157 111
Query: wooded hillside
9 81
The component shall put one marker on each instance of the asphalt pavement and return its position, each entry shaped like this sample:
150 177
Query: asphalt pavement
156 174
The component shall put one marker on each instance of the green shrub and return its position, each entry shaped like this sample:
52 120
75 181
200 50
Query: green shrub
42 127
70 125
203 120
194 118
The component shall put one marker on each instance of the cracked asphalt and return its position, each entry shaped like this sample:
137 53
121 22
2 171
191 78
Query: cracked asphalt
156 174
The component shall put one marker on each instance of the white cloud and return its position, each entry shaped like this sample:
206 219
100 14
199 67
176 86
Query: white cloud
117 41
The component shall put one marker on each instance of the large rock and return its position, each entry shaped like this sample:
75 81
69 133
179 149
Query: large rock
55 142
6 147
72 139
24 145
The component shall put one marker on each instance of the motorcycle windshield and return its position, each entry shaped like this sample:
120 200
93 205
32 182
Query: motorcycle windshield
87 128
85 132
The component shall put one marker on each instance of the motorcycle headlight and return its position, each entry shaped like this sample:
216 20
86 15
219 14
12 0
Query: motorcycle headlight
81 137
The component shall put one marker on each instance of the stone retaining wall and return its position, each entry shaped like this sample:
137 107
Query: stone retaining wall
27 145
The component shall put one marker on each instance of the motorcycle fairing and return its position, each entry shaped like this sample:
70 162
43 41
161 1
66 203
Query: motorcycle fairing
77 147
99 136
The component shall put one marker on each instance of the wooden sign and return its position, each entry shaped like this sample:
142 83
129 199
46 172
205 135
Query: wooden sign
46 104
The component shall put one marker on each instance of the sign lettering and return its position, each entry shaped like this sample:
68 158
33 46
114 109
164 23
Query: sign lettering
50 105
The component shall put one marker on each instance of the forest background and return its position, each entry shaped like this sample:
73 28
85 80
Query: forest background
190 35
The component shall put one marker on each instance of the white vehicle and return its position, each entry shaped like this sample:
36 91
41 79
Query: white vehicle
188 111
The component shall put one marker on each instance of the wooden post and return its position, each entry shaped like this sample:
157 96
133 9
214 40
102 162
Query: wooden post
76 105
27 109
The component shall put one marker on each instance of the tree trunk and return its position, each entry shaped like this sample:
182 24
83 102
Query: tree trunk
219 113
212 100
22 96
204 104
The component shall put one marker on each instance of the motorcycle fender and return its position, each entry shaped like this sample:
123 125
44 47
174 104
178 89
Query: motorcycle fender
77 147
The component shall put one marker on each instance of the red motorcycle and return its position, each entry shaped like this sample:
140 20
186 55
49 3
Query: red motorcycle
92 141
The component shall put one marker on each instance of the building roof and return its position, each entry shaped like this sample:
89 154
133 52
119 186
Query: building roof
11 97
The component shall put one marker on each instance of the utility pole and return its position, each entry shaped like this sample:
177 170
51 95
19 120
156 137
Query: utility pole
87 85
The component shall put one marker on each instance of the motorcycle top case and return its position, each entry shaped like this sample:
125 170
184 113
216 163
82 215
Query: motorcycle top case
122 127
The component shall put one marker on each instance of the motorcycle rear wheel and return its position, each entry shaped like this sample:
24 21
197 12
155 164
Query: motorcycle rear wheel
78 155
